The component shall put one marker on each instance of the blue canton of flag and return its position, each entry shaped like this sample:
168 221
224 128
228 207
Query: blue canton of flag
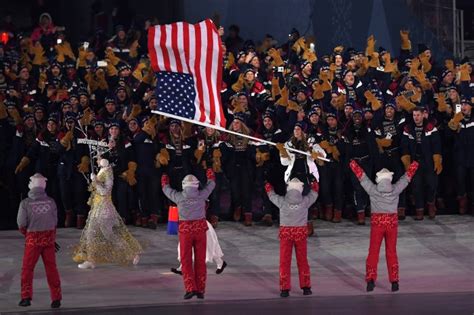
176 94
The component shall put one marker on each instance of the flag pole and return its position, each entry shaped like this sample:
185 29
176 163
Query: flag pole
232 132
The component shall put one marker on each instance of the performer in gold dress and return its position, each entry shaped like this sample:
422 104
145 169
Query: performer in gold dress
105 238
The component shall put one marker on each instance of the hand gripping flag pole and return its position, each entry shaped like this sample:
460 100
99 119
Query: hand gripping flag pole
232 132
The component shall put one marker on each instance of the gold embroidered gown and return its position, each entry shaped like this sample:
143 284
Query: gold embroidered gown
105 238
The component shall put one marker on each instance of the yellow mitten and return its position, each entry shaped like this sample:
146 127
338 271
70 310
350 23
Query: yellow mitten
101 82
293 106
396 74
230 61
237 107
335 153
339 102
416 97
438 165
258 158
464 70
91 81
404 103
371 99
111 70
66 140
149 77
13 76
406 160
187 129
157 161
150 127
137 73
420 76
277 60
59 53
265 156
282 150
133 49
239 85
317 91
83 167
453 124
406 43
332 70
164 157
198 155
26 45
299 45
24 59
81 62
39 57
374 60
275 87
24 162
326 146
310 56
370 46
283 100
326 85
86 117
216 161
442 105
136 110
389 66
315 156
363 66
130 173
67 50
383 143
415 64
338 49
425 62
110 55
42 81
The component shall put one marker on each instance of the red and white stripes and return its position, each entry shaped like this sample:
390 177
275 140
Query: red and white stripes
194 49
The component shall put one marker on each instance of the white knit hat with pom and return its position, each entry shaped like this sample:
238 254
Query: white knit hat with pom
295 184
37 181
383 174
190 181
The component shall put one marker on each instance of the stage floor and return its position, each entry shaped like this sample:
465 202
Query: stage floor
436 273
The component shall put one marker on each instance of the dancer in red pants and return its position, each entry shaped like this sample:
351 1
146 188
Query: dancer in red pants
37 219
383 219
192 229
293 232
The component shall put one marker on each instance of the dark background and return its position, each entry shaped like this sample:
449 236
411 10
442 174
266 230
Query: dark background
331 22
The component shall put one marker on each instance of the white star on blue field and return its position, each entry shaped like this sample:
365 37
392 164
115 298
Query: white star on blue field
176 94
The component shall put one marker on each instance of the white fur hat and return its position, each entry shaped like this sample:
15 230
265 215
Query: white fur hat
190 181
383 174
37 180
295 184
103 163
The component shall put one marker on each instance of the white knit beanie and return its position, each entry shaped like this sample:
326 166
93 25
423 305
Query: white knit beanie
295 184
37 181
383 174
190 181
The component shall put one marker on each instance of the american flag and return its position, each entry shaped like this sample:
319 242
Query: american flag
187 59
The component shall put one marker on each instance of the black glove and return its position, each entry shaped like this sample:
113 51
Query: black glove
56 247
